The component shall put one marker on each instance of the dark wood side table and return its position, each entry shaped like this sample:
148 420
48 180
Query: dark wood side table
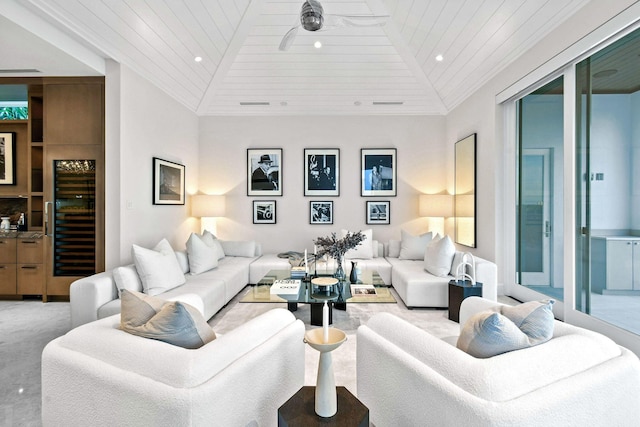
458 291
299 410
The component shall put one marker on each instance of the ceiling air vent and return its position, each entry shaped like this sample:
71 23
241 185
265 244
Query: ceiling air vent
18 70
255 103
388 102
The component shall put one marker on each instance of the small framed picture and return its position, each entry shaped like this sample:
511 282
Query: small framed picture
7 158
379 172
264 172
322 172
168 182
378 212
321 212
264 211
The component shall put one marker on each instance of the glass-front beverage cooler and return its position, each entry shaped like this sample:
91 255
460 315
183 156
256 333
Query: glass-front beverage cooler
74 218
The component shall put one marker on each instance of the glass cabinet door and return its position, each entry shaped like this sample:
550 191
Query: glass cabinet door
74 218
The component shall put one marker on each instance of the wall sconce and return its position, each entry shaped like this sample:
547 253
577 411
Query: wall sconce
207 208
436 206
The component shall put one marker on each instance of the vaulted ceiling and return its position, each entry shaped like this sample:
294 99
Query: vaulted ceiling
379 69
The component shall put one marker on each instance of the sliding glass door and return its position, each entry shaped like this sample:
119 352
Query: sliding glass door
608 184
540 192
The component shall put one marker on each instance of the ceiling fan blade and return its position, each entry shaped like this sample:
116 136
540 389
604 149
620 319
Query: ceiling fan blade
355 20
288 38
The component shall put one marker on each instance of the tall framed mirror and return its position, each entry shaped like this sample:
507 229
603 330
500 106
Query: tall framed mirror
465 191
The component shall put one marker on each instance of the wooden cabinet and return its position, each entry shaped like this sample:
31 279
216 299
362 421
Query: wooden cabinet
615 264
21 267
29 266
7 266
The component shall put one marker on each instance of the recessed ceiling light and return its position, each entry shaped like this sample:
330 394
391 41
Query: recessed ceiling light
198 59
439 58
317 44
357 103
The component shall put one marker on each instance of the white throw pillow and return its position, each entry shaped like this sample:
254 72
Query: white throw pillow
210 239
394 249
126 277
364 250
202 256
413 247
183 260
438 256
158 268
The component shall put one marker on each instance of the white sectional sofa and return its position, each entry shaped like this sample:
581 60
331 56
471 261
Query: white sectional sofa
97 296
408 377
419 288
239 379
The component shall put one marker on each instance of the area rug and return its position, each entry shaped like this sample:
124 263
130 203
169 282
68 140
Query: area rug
434 321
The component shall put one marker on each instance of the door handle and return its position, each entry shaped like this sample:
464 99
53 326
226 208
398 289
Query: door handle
547 229
46 218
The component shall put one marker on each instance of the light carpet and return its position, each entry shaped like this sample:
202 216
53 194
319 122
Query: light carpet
27 326
344 357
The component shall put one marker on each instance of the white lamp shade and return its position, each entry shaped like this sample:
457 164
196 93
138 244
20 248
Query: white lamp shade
203 205
436 205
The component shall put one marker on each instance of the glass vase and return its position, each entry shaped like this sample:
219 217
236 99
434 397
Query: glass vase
340 274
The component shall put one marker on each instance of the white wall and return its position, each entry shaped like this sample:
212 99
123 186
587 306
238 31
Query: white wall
421 148
151 125
611 156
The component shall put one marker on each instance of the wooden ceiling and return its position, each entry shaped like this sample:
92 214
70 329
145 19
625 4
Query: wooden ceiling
388 69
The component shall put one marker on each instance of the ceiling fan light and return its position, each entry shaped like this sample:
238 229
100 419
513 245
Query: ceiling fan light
310 18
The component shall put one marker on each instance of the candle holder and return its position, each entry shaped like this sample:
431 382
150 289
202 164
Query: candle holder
326 404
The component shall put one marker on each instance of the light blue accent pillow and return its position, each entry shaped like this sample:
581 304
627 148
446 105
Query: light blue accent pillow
507 328
488 334
534 318
174 322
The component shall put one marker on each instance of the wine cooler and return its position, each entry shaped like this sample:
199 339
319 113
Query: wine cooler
74 217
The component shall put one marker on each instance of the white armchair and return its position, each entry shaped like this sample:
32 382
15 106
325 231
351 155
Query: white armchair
99 375
408 377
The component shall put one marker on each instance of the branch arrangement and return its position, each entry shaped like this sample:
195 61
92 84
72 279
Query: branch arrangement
335 247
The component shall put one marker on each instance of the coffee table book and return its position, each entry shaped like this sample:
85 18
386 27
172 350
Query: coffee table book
286 286
363 290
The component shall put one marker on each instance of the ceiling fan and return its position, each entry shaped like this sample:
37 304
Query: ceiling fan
313 18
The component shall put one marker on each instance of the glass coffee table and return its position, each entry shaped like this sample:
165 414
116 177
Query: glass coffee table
337 296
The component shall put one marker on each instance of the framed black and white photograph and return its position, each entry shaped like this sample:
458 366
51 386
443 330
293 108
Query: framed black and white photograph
168 182
378 212
321 172
7 158
264 172
264 211
379 172
321 212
